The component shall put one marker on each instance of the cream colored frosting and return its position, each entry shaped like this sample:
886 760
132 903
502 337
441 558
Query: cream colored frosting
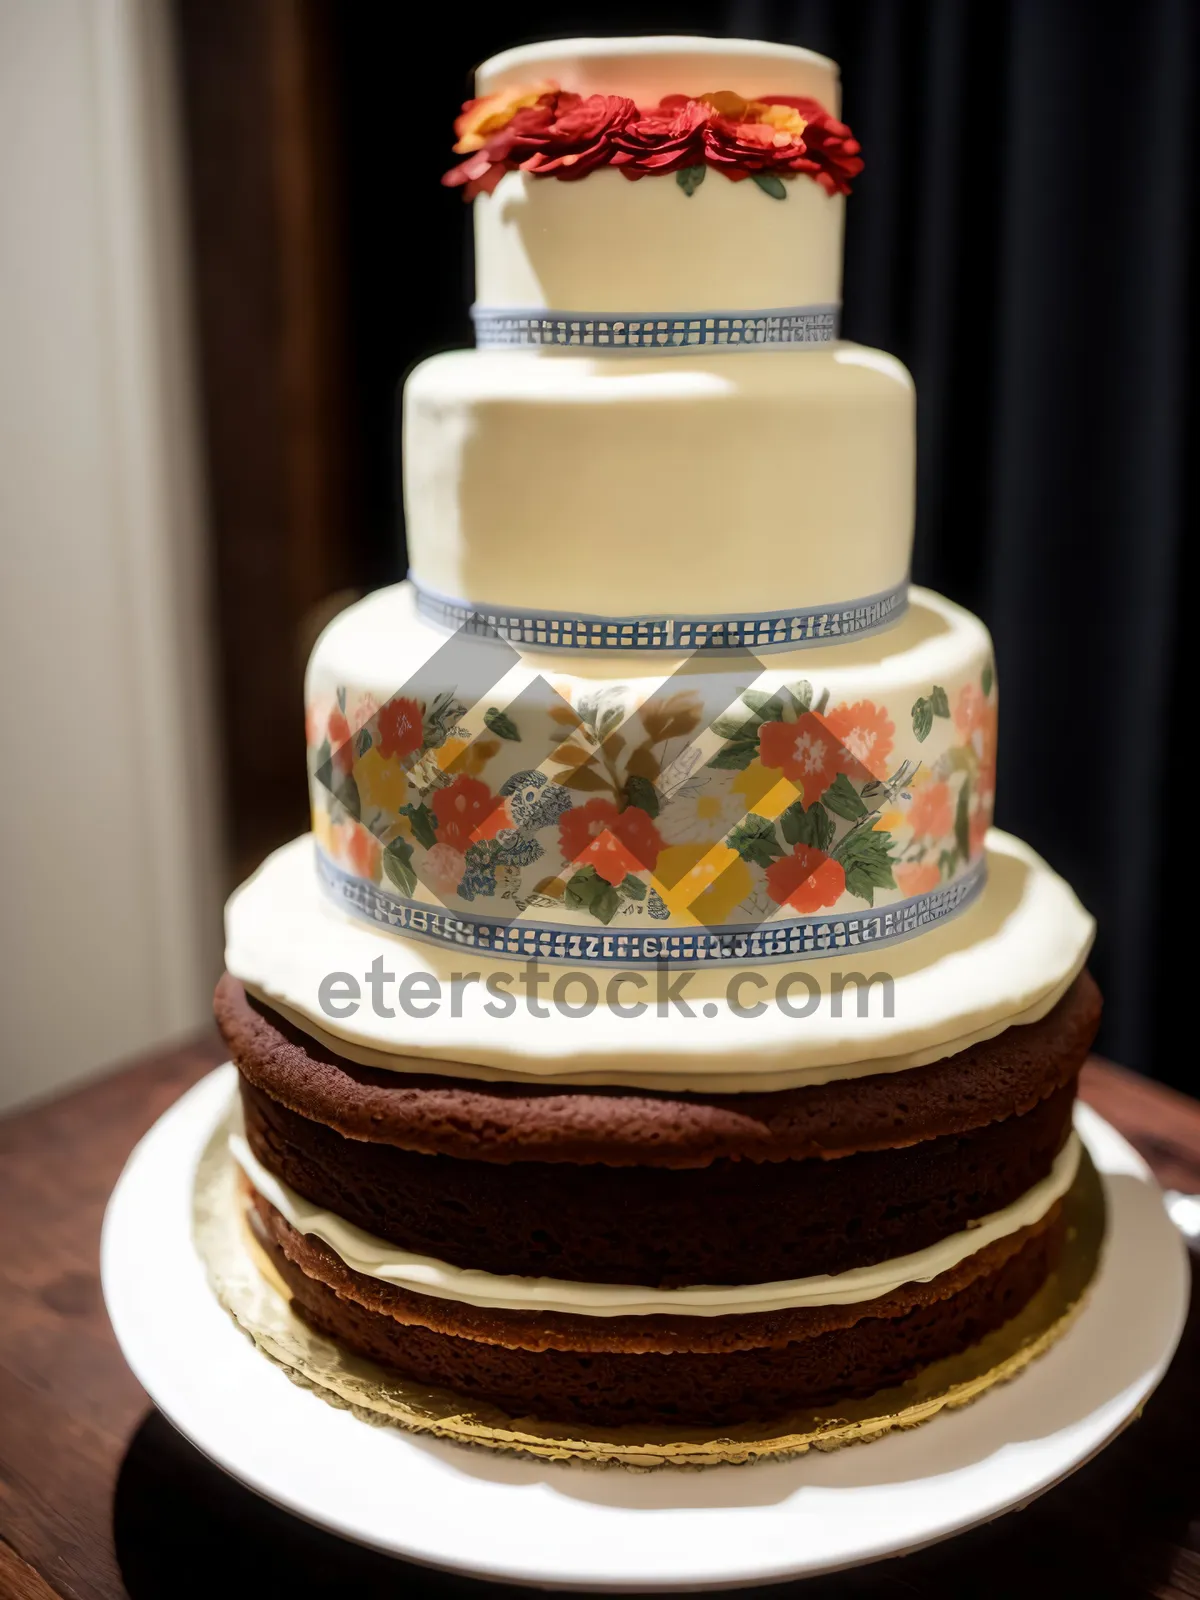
691 484
1007 960
376 1258
608 244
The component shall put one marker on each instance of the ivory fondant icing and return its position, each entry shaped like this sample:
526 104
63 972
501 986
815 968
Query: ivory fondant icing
688 484
1007 960
611 245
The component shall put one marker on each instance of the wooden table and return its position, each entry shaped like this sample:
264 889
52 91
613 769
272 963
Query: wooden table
99 1497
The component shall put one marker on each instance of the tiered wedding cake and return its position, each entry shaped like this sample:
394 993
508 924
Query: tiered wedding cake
652 1029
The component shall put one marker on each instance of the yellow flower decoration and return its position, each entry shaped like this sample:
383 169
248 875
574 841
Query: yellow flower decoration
766 793
487 115
382 782
702 882
889 822
785 119
459 755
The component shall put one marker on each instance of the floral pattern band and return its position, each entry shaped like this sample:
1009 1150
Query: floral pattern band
757 631
726 804
783 327
791 938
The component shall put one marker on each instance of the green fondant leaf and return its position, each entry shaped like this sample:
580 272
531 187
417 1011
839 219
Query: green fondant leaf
633 888
987 680
755 841
397 864
842 799
582 888
867 860
940 701
362 741
604 904
500 724
424 823
770 184
734 726
814 826
642 793
736 756
689 179
922 718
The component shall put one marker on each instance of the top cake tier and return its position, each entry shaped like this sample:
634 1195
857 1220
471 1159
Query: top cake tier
659 244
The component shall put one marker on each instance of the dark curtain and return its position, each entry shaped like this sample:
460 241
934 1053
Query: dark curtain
1024 237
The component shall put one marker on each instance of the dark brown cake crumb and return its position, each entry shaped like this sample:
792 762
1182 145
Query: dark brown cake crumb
506 1122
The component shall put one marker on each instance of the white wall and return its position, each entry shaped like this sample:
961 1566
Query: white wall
109 848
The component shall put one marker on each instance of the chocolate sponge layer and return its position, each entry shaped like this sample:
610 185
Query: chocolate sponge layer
500 1123
743 1378
729 1222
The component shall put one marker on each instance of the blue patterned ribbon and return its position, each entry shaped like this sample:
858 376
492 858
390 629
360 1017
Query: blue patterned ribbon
757 631
783 327
793 938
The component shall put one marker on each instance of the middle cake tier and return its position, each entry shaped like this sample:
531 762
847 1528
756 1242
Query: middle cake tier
727 485
629 807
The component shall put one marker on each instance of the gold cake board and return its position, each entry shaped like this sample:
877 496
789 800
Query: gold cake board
248 1287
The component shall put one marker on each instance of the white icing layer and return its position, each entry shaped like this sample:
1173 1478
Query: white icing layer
1007 960
691 484
375 1258
608 244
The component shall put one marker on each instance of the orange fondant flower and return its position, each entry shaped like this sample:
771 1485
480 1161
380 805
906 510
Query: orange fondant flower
970 709
807 880
931 813
804 751
362 851
918 878
337 731
866 731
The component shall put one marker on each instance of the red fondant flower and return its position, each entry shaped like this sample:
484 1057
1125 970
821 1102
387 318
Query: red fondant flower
832 155
581 136
615 842
466 812
665 139
400 727
553 134
739 148
807 880
507 147
866 731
